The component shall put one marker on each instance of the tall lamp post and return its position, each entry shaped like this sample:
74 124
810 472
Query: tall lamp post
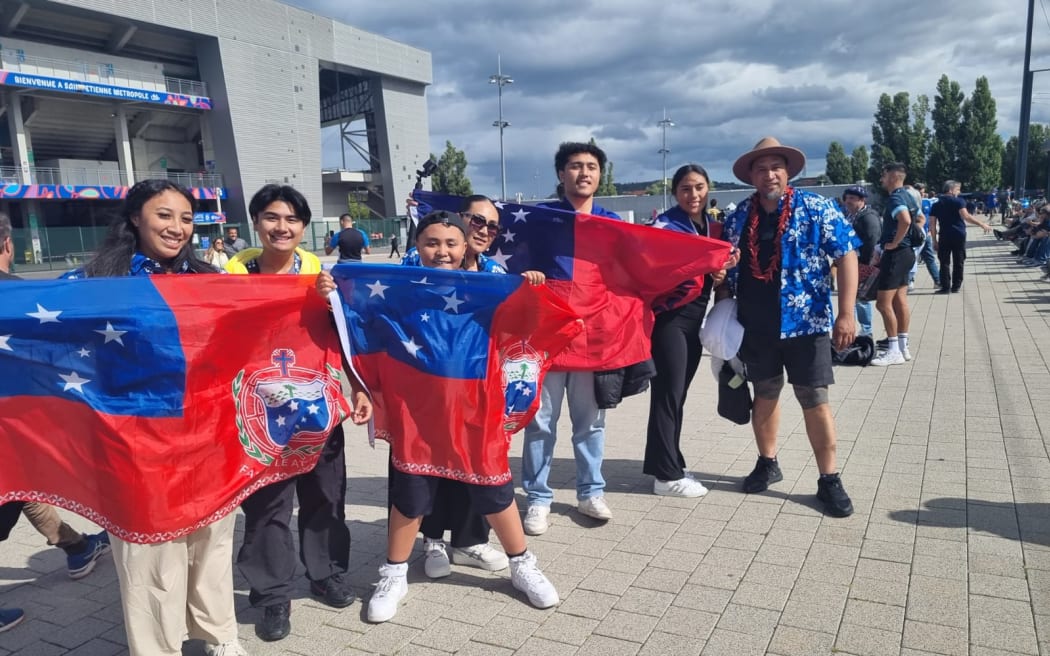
501 80
664 124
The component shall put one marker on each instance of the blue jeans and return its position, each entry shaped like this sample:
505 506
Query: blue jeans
588 437
864 317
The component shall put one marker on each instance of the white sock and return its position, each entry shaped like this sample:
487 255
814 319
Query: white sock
902 341
893 346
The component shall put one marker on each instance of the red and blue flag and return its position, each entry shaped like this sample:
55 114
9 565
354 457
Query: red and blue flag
452 360
609 272
153 405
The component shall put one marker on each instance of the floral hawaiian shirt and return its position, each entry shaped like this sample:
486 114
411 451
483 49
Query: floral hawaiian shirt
485 264
140 266
816 235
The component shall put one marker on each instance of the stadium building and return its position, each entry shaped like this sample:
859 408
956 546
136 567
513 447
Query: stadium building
221 96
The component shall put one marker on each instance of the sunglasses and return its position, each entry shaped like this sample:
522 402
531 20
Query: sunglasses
480 223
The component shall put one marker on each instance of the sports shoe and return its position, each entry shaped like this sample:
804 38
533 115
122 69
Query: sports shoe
911 287
275 623
535 522
831 493
435 559
10 618
766 472
482 556
686 486
81 564
525 575
595 507
883 343
887 359
942 290
907 354
233 648
390 590
334 591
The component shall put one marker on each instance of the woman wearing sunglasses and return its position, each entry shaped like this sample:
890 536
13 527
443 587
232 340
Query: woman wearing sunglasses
482 220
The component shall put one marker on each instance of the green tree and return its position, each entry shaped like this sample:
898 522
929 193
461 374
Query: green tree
656 188
1038 167
943 161
918 139
356 209
859 163
981 148
890 133
607 187
451 174
838 167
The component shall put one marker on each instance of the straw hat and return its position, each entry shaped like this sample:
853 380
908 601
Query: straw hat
796 160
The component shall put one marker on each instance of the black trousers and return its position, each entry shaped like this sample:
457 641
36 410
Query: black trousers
267 557
951 251
676 352
454 512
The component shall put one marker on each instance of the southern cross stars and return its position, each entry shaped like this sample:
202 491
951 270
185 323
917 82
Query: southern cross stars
45 315
73 382
377 289
412 347
111 334
519 215
4 346
452 302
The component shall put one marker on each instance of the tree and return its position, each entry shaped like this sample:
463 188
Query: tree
918 139
890 133
1038 167
943 161
607 187
859 163
451 174
656 188
838 167
981 148
357 210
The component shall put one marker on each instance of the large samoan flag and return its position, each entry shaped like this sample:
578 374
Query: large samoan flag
609 272
154 405
453 361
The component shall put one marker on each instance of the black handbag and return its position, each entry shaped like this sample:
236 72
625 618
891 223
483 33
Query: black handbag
734 396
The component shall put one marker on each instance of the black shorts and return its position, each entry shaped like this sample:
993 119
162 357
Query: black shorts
807 359
895 267
413 494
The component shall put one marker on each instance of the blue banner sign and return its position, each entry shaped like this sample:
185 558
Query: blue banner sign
12 79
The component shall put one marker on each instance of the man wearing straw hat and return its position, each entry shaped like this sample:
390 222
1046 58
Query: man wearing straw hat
787 238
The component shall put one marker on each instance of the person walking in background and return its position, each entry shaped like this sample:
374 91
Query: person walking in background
395 244
948 233
350 241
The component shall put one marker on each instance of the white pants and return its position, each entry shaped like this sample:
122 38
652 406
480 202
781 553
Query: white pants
178 589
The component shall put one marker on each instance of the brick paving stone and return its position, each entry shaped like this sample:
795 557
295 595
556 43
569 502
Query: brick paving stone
668 644
867 641
875 615
627 626
567 628
934 638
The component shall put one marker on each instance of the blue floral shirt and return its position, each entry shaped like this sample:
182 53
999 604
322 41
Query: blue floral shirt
816 234
485 263
140 266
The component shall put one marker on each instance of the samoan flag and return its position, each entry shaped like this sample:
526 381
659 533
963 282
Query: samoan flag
442 353
609 272
149 407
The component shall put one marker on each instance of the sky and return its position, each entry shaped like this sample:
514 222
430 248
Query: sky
727 72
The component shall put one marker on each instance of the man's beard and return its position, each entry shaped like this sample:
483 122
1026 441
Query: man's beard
774 195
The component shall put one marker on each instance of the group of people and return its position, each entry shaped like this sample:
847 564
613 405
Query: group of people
785 241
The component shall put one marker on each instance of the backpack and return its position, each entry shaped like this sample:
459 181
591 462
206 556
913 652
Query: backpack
860 353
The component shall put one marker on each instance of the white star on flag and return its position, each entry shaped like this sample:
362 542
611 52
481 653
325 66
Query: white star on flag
412 347
4 346
377 288
500 257
660 223
294 405
519 215
508 236
112 335
45 315
313 408
452 302
73 382
519 386
422 281
83 352
425 318
499 205
526 392
279 421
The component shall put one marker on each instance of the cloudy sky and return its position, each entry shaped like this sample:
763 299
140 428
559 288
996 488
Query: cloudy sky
727 72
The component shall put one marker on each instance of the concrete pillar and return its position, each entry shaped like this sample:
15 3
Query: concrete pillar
20 141
123 138
207 143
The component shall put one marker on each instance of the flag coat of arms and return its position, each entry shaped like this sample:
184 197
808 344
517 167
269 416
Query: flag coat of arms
154 405
452 360
609 272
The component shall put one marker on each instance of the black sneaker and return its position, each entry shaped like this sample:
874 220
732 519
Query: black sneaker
765 473
831 493
942 290
334 591
275 623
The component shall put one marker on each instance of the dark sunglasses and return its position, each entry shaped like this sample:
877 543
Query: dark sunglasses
480 222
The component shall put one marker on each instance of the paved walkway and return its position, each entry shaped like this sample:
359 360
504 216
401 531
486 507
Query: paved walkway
948 552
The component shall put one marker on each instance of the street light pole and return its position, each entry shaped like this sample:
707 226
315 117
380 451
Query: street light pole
501 80
664 124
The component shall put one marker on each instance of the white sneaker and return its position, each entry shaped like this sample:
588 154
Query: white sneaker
525 575
435 563
226 649
907 354
536 519
683 487
887 358
480 555
595 507
390 590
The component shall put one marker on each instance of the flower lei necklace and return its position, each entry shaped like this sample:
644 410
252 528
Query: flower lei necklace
766 275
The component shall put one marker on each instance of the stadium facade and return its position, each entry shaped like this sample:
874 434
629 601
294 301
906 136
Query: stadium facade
221 96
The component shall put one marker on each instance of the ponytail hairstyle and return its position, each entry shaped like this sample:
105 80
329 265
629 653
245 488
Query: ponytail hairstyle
122 240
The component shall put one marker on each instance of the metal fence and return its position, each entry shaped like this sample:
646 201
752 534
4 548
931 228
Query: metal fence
105 177
17 60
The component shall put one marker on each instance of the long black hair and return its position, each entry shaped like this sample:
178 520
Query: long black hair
685 170
122 240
